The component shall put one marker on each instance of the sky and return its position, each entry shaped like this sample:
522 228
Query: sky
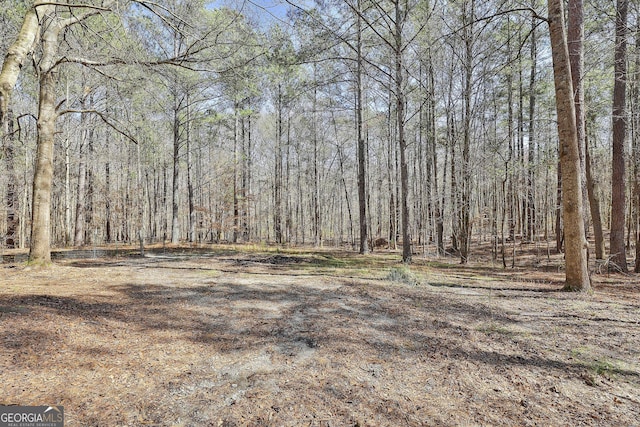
264 10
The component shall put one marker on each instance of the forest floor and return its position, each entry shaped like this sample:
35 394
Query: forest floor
255 336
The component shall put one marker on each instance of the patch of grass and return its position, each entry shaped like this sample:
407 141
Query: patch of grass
495 328
403 274
330 261
580 352
605 367
596 366
442 265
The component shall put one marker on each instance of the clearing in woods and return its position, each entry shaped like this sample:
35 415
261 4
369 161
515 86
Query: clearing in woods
246 336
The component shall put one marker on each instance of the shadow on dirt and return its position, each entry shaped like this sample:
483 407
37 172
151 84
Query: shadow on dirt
390 323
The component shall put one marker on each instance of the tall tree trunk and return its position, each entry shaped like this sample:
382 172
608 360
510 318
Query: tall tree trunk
141 202
249 190
287 184
346 192
465 208
433 160
190 192
520 201
300 212
67 192
107 191
617 248
531 178
244 191
78 239
88 205
455 197
594 199
163 215
277 185
40 250
509 168
577 274
575 38
400 16
175 194
317 227
362 184
236 209
13 220
635 145
559 226
13 61
391 176
429 175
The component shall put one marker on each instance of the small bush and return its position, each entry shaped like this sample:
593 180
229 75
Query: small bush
403 275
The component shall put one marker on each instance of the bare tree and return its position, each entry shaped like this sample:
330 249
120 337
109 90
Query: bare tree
577 274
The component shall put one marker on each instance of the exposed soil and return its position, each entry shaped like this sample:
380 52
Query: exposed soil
254 337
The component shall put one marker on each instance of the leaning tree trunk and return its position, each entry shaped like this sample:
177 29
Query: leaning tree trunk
577 274
11 66
576 55
575 35
594 201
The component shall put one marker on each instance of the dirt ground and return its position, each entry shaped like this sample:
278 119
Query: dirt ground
227 336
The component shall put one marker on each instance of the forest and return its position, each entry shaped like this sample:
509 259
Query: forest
429 125
321 212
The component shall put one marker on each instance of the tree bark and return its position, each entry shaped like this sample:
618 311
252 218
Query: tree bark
13 61
635 146
81 192
531 176
248 188
236 209
594 200
577 274
40 250
400 118
575 37
107 191
277 190
617 250
13 219
190 192
362 184
175 198
465 207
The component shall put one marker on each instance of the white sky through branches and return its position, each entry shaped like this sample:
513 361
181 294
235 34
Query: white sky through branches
264 11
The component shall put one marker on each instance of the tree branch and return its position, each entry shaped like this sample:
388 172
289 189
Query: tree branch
105 119
70 5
